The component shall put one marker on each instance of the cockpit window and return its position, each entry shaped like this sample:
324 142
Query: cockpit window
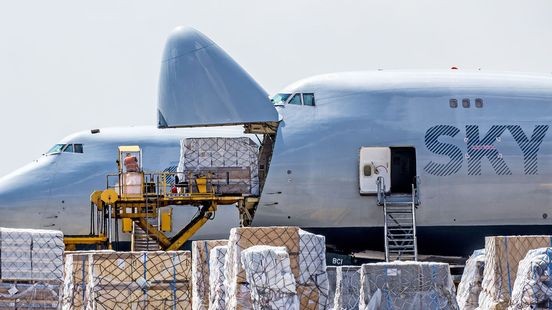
56 149
308 99
78 148
66 148
280 98
296 99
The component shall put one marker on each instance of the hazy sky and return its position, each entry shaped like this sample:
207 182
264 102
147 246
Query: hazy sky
67 66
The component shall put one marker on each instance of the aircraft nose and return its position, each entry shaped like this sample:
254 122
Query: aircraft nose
17 210
23 198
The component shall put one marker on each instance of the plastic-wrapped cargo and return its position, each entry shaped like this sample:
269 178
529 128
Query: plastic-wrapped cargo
533 285
470 284
128 280
406 285
307 260
269 275
31 268
31 254
200 271
347 288
37 295
331 271
231 162
502 255
241 238
312 284
217 295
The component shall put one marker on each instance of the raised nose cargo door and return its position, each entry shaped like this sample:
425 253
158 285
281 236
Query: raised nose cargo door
201 85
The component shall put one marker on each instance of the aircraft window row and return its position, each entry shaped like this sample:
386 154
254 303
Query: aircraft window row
453 103
306 99
66 148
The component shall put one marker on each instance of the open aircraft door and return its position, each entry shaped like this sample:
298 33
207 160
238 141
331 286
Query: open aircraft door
201 85
374 162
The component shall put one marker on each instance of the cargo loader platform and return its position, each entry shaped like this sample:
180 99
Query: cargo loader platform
134 198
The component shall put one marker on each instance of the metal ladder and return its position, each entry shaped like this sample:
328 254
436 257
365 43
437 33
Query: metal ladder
399 222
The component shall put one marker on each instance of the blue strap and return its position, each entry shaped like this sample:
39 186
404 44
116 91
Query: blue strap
508 264
173 284
145 288
83 284
208 254
434 296
386 292
549 267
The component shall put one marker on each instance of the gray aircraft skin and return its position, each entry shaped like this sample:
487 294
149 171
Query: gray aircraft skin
484 161
53 192
478 142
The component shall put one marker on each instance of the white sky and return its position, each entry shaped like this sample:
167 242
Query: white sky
67 66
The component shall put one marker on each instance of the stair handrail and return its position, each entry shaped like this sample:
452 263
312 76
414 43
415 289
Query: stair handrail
416 190
380 182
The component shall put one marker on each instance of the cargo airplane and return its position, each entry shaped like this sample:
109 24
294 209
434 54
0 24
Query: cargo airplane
478 143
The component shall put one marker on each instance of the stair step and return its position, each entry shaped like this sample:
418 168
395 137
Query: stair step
400 249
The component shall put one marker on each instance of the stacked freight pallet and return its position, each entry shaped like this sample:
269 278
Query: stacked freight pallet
470 284
331 271
306 258
502 256
201 267
231 163
217 285
533 285
31 268
128 280
406 285
347 288
269 275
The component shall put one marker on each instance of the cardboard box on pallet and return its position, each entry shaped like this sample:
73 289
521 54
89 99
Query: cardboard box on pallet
307 262
129 280
502 256
200 271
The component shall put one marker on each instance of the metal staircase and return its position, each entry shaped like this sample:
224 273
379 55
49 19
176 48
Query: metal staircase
399 222
141 241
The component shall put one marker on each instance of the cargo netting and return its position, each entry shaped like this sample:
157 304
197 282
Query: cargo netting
307 262
406 285
502 256
31 268
269 275
347 291
201 268
217 296
470 284
128 280
533 285
331 271
232 163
